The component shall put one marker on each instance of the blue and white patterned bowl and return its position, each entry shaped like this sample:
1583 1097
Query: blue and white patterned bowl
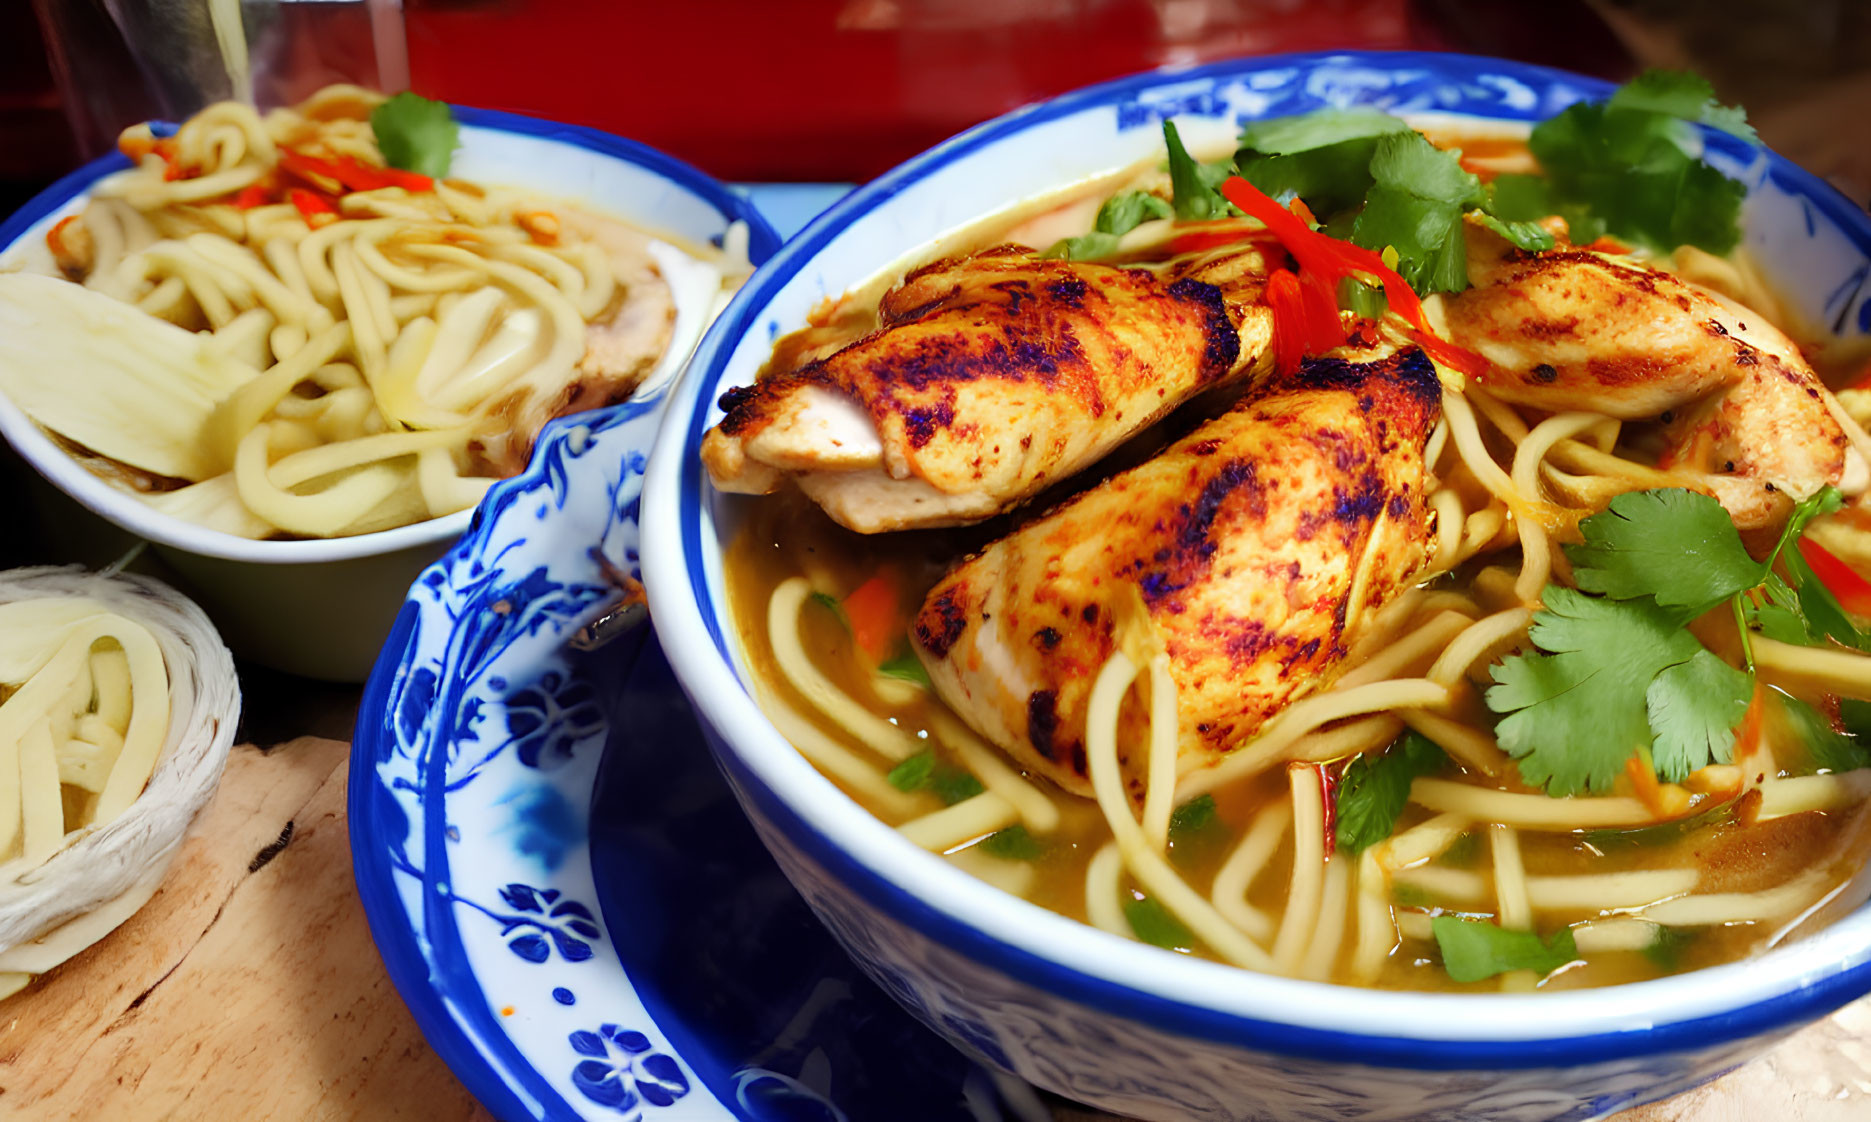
1115 1023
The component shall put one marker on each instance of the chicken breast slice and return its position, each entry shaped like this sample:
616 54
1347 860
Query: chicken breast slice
1258 546
1572 329
992 377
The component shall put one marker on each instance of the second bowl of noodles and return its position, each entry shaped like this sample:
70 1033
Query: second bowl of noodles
362 350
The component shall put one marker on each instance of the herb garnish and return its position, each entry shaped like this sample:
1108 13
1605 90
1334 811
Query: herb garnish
416 134
1375 787
1474 949
1616 670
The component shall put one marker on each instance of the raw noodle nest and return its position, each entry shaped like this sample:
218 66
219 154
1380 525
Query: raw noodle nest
107 862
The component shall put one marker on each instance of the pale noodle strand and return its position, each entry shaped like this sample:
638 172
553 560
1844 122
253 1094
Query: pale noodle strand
1530 811
1472 747
1304 716
837 761
1377 925
1102 906
960 824
1826 669
1474 643
1307 886
1531 452
1423 842
1036 808
785 616
1328 935
1159 798
1151 870
1513 908
1235 879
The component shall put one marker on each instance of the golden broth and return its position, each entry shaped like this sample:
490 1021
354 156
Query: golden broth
785 536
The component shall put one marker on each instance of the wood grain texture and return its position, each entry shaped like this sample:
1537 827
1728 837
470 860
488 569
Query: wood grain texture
248 988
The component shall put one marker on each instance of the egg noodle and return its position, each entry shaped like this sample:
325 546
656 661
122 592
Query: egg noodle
402 339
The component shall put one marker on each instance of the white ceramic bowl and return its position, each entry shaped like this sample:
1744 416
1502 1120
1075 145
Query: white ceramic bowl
1116 1023
322 608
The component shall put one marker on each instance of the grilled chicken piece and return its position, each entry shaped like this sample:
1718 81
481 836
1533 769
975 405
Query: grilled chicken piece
1571 329
992 377
1259 544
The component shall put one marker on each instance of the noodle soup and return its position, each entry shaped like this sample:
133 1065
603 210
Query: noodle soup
1427 801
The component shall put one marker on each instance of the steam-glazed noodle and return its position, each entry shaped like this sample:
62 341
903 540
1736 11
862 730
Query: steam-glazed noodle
1650 878
384 346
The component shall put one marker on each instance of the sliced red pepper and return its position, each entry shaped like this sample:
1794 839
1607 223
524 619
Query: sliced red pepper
1324 260
1328 791
1845 583
316 209
351 174
1289 313
253 195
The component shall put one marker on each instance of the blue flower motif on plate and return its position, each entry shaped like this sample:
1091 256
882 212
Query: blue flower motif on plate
549 922
623 1072
546 719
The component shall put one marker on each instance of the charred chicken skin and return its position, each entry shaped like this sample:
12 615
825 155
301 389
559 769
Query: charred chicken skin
991 377
1258 545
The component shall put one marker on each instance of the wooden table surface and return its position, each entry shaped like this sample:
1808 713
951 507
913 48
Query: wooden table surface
249 987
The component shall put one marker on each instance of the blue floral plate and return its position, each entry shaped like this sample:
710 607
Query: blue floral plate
556 874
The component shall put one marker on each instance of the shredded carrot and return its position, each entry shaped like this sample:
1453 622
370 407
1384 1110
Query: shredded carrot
55 237
1328 790
875 609
1289 313
1665 800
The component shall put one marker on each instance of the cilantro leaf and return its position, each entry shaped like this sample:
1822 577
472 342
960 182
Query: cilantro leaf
1192 817
1666 950
1678 546
1375 786
1694 708
1629 168
1474 949
830 603
1306 132
1415 204
1124 212
1678 93
1192 185
1824 617
1856 716
906 667
1530 236
1323 157
1577 709
913 773
1154 924
1827 747
924 771
416 134
1120 214
953 785
1013 844
1777 614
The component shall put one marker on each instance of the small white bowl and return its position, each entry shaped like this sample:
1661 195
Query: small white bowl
321 608
1113 1022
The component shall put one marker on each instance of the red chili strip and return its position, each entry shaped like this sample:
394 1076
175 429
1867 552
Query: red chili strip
1850 587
